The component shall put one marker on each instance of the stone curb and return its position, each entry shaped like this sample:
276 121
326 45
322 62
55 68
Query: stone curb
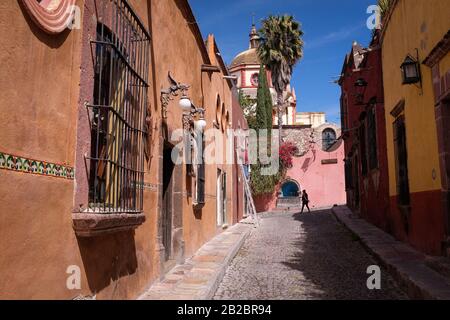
217 279
186 286
405 264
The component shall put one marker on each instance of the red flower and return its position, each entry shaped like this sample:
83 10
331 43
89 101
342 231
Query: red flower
287 151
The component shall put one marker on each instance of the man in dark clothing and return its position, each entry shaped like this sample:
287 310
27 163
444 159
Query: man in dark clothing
305 201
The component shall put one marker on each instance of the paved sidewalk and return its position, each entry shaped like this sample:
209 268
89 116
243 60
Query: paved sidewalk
199 277
406 265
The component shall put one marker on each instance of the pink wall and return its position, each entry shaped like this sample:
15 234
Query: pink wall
325 183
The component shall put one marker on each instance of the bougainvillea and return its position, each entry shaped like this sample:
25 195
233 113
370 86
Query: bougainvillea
287 151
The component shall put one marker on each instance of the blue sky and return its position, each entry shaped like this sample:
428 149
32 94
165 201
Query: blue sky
330 27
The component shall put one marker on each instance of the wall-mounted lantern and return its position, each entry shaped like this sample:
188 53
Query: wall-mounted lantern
190 111
173 91
360 87
410 70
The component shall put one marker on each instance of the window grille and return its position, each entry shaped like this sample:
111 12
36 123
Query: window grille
401 161
372 138
328 139
118 111
363 148
198 169
348 174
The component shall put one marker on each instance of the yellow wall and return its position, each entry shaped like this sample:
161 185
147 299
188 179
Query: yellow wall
414 24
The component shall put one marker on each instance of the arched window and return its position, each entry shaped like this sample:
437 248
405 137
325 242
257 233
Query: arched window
254 80
218 111
328 138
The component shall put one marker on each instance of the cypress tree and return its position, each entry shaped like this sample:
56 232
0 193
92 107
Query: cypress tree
263 184
261 100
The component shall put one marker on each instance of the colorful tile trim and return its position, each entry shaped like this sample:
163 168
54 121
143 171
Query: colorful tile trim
24 165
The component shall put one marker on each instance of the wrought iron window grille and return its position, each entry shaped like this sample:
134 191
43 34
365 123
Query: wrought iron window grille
118 112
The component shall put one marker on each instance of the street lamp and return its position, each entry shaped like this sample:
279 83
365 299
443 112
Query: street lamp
200 124
185 104
410 70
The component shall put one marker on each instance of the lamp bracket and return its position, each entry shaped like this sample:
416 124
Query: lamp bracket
173 91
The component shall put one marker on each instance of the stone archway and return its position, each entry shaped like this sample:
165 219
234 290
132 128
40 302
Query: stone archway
290 188
289 194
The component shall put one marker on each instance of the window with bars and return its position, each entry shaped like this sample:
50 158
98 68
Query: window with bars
401 161
344 115
363 148
118 111
198 169
328 139
372 138
348 174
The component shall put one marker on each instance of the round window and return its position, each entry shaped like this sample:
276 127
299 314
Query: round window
254 79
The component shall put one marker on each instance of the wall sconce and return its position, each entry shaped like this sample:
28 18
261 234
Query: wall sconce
190 111
173 91
411 70
360 86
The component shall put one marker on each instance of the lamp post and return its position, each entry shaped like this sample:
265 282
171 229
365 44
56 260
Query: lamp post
191 126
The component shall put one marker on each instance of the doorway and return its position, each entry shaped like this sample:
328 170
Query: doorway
290 189
221 197
167 202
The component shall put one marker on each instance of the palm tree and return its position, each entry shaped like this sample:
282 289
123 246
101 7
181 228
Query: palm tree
384 7
280 48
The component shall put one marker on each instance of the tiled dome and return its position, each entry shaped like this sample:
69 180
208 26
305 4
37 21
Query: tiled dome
249 56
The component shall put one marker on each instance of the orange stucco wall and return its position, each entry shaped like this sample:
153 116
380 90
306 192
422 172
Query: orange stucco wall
43 88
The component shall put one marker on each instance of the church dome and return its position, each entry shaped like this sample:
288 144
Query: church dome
249 56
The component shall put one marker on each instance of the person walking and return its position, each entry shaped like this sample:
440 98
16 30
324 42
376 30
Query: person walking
305 201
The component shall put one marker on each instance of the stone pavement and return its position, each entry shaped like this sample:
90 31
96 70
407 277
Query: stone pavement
295 256
407 265
198 277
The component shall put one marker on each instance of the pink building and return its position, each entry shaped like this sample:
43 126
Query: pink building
318 168
319 165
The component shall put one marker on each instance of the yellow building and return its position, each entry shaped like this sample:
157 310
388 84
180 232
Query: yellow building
415 37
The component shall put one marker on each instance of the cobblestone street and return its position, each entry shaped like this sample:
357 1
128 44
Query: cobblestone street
308 256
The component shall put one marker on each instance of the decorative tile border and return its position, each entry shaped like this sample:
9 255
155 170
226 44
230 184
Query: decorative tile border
24 165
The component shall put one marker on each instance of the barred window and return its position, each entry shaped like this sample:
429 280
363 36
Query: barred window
118 111
348 174
328 139
363 148
372 138
401 156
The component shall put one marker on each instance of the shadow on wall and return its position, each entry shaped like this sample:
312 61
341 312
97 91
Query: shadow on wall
332 261
52 41
108 258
